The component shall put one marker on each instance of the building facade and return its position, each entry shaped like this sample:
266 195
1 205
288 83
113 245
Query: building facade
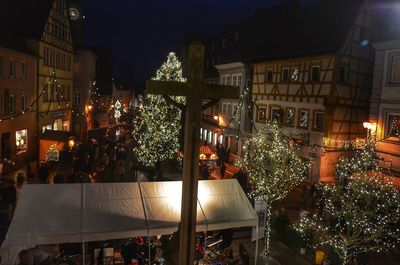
319 92
385 104
55 68
18 125
83 92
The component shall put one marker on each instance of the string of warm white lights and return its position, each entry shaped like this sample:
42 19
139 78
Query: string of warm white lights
359 213
157 123
274 169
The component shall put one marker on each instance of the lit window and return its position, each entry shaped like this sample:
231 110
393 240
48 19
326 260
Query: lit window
275 113
47 127
285 74
21 141
315 73
294 76
290 115
396 69
393 125
304 116
261 114
66 126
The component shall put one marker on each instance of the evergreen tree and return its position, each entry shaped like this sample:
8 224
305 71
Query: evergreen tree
157 123
274 169
360 213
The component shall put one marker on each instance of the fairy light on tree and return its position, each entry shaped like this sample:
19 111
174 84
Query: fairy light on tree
274 169
358 214
157 124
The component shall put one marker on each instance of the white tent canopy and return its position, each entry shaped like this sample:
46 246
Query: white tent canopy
51 214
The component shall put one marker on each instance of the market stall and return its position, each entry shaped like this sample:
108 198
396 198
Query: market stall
67 213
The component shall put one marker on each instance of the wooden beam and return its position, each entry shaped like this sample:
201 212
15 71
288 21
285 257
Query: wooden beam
167 88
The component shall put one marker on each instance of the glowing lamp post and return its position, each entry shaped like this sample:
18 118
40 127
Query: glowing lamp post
71 143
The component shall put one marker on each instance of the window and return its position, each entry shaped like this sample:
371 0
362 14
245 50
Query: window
304 116
21 141
46 56
11 104
393 125
270 75
261 114
285 74
24 71
228 80
77 98
234 107
294 76
1 66
223 80
68 63
319 120
23 102
223 109
239 80
343 73
290 116
47 127
234 79
315 73
51 57
229 109
275 114
11 69
65 125
57 59
396 69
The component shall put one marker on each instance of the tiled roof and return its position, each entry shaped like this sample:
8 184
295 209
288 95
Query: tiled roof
290 30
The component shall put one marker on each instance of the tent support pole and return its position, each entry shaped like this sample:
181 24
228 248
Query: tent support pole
83 253
256 252
148 239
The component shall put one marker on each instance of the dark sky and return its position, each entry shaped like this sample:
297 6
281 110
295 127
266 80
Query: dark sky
141 33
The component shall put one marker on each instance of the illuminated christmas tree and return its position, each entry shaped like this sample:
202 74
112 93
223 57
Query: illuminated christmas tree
360 213
157 124
274 169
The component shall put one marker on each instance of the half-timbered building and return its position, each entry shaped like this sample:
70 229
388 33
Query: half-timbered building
45 27
314 76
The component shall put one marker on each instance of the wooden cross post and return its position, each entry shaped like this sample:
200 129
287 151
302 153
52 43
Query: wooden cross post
195 91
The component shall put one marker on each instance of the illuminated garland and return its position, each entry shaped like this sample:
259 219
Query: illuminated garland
274 169
360 213
157 123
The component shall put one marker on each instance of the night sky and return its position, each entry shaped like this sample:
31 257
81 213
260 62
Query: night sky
141 33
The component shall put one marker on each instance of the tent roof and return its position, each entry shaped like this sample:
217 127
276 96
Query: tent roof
50 214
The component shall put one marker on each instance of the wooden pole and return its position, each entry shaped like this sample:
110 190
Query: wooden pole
191 155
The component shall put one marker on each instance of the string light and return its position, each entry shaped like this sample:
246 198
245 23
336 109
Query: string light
157 124
359 213
274 169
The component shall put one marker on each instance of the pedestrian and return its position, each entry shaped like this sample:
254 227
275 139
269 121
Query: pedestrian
222 170
43 173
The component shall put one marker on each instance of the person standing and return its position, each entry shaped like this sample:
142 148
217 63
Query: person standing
43 173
